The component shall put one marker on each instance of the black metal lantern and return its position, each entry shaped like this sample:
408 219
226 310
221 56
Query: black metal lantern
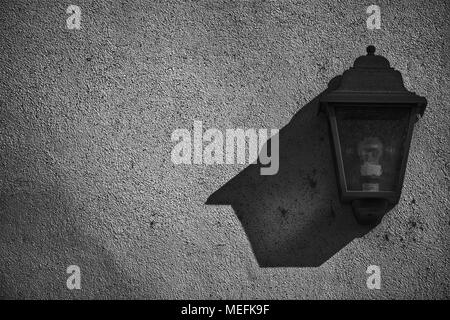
371 117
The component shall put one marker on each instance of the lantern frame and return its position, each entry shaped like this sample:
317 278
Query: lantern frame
371 83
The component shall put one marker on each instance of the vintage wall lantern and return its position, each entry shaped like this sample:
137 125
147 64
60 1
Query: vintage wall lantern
371 118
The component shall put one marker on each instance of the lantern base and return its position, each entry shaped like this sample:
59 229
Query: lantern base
369 211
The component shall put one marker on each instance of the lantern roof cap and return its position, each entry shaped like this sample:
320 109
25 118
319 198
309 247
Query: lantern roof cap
372 80
371 60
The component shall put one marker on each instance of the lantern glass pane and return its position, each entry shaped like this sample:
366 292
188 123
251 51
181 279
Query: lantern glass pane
372 145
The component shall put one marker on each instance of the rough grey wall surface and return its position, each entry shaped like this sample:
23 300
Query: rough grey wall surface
85 122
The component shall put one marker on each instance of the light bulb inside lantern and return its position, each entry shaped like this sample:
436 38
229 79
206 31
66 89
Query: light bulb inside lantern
370 151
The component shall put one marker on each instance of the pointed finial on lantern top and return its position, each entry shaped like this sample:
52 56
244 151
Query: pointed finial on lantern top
370 50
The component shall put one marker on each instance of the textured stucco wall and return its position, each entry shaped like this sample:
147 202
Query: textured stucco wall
85 171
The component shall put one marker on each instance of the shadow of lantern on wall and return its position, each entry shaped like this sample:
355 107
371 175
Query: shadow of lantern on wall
371 117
